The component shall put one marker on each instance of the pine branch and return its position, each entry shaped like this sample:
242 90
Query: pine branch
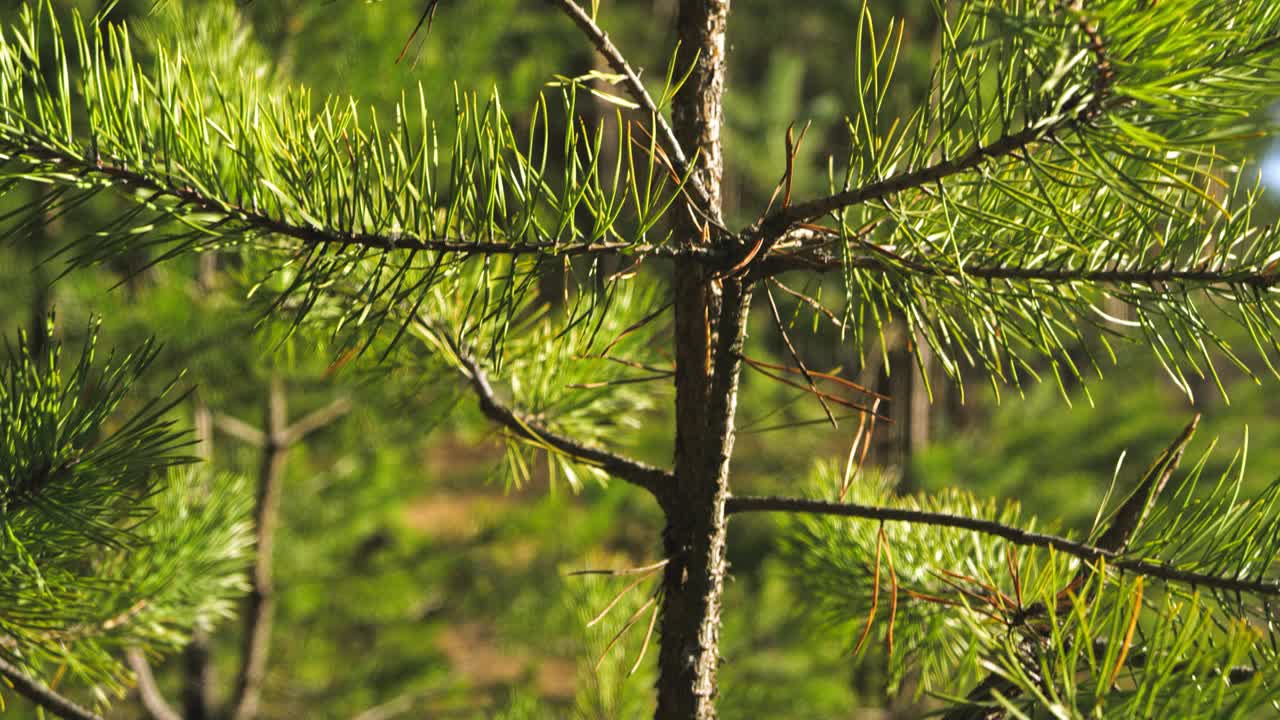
1075 111
1017 536
980 703
1003 147
249 221
240 430
653 479
42 695
216 172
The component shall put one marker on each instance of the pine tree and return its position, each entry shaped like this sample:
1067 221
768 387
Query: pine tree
1070 157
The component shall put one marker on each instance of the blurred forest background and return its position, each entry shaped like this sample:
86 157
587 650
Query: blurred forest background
417 573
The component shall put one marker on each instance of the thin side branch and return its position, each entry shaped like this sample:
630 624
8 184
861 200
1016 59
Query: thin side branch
804 370
42 695
1017 536
653 479
766 232
666 136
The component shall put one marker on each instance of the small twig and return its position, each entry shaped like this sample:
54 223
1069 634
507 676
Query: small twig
952 580
313 421
993 596
826 376
274 442
753 430
635 326
817 306
754 365
239 429
630 363
259 612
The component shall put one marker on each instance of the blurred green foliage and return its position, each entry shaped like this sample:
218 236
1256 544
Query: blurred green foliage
411 577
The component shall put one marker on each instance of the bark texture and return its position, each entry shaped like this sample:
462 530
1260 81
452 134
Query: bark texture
710 319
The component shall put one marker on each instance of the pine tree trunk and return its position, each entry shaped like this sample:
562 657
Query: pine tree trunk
710 321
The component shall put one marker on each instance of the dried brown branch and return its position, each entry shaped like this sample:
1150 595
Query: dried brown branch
760 368
795 355
829 376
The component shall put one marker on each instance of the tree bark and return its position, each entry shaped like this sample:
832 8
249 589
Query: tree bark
710 325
